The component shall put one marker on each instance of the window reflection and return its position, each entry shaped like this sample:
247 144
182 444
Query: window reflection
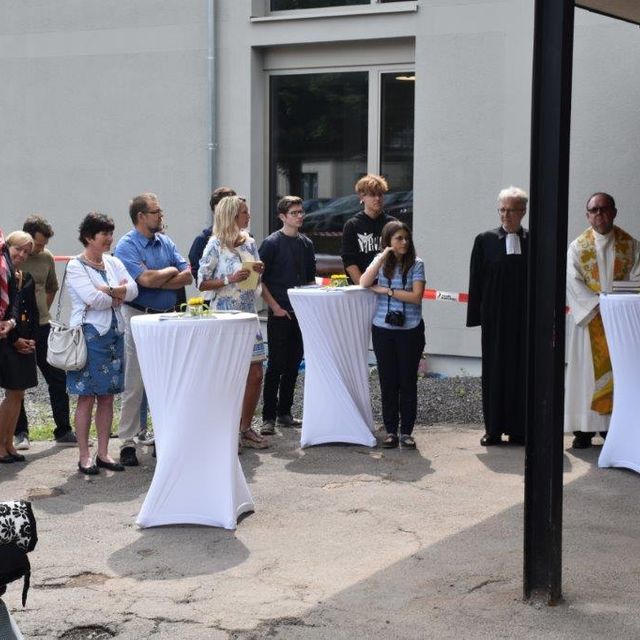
397 130
319 127
318 138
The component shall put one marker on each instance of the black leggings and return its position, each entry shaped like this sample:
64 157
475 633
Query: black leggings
398 353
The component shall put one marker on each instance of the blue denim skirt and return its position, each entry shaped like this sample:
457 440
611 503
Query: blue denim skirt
103 374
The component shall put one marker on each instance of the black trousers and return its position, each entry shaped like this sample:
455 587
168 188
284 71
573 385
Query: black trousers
285 356
398 353
57 383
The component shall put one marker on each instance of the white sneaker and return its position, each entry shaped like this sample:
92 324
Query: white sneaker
21 442
146 437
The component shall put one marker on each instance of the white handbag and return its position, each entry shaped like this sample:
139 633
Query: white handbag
66 346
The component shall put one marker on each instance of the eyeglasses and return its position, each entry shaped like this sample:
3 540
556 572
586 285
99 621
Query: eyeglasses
595 210
157 212
295 212
506 212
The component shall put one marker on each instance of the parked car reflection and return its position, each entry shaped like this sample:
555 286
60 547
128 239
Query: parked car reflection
324 221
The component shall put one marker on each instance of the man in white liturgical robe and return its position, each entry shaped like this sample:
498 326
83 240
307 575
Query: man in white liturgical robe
602 254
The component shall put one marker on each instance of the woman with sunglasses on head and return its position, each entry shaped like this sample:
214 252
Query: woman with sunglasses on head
396 275
17 351
221 271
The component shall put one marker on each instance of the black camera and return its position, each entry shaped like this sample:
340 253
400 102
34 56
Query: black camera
395 318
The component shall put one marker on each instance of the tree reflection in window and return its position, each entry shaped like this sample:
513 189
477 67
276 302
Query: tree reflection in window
318 139
319 129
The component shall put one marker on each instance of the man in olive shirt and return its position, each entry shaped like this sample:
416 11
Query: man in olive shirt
41 266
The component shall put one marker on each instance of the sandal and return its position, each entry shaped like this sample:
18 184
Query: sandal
407 442
252 440
391 441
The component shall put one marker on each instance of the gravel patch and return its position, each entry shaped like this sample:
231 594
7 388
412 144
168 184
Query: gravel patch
440 401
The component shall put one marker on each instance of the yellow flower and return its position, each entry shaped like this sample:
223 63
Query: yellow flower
196 301
339 280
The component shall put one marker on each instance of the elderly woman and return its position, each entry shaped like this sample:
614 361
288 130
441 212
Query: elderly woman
221 272
397 277
98 285
17 351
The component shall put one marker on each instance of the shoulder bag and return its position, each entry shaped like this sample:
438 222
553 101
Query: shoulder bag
66 346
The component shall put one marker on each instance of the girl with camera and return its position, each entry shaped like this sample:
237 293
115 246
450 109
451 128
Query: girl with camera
397 277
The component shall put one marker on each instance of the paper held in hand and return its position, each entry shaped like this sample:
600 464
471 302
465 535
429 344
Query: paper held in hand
252 281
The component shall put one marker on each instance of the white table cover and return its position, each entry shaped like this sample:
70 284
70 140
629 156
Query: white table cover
336 327
621 319
195 372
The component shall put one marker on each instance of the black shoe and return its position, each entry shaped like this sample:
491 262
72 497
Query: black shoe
17 457
407 441
128 457
287 420
112 466
88 471
490 441
67 440
390 441
8 459
519 440
582 440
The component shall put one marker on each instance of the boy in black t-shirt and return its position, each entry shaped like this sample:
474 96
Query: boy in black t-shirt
289 261
361 234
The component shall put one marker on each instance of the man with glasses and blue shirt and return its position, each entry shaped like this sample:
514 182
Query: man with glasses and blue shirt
599 256
152 260
289 261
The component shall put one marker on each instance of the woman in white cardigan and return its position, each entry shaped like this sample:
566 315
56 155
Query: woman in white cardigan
98 284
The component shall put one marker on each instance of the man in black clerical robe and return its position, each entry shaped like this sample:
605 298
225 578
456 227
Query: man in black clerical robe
498 304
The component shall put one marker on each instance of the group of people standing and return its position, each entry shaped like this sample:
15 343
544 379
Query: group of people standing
28 285
602 254
146 274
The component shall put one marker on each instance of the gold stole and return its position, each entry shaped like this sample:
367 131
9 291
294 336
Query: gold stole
602 400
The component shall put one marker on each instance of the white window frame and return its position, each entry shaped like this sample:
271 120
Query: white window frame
261 10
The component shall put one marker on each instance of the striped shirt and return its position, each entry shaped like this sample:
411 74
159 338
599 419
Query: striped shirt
412 312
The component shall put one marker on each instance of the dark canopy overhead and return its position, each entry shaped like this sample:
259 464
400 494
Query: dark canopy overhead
628 10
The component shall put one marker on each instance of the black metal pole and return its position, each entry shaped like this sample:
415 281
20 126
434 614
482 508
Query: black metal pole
550 132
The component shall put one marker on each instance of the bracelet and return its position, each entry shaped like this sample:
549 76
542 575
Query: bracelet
111 291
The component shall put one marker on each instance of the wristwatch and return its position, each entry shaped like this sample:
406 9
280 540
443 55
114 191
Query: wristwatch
225 281
390 292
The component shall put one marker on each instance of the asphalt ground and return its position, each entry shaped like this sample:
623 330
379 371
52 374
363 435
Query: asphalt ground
346 542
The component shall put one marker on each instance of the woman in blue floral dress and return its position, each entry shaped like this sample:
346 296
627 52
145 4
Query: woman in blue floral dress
221 272
98 285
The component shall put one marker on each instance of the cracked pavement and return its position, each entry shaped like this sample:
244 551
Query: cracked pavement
345 543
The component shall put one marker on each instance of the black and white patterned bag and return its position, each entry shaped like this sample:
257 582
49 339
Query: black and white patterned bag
18 536
18 525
